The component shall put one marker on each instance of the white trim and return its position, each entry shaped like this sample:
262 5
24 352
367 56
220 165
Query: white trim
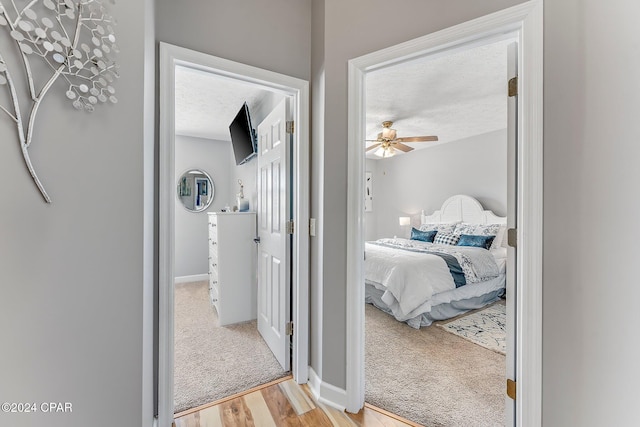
530 219
526 20
170 56
166 237
326 393
192 278
148 221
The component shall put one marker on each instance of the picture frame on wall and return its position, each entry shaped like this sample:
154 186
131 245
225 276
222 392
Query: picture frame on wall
368 192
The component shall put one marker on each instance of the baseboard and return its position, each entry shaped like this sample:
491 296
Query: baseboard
326 393
194 278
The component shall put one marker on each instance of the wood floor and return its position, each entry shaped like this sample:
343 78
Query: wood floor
282 403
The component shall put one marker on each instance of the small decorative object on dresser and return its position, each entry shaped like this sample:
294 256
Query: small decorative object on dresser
243 204
232 266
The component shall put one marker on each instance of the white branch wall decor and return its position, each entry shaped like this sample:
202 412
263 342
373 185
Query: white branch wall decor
75 42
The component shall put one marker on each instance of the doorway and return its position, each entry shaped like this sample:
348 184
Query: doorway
526 21
458 167
297 91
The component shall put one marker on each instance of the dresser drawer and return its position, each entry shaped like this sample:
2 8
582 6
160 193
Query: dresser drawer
213 273
213 259
213 247
213 292
213 226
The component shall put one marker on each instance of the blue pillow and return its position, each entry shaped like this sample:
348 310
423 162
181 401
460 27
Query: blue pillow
425 236
476 240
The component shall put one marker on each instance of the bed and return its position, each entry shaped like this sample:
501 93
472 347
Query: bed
454 262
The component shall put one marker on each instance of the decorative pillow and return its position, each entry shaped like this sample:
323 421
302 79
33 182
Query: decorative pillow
446 227
446 238
477 229
425 236
476 241
483 230
499 241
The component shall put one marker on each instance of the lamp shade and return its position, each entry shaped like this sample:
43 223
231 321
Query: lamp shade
404 220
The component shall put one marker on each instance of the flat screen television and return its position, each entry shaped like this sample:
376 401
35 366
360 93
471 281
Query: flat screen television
243 139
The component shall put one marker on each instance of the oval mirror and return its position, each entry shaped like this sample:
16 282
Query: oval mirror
195 190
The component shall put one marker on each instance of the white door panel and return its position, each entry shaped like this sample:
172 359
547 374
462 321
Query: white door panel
273 201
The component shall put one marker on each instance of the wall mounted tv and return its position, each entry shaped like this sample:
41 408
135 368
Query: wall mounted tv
243 138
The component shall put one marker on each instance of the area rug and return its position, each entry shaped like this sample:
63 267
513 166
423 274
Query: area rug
213 361
486 327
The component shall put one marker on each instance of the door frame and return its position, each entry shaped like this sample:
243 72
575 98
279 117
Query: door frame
170 56
526 20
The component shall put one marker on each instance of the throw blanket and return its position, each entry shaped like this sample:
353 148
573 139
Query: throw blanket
452 263
411 272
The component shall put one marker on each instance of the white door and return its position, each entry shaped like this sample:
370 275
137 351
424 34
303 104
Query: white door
512 211
273 248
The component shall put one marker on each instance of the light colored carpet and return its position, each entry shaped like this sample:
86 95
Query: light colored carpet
431 376
486 327
212 362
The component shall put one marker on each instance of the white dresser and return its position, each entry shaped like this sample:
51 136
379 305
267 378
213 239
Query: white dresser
232 266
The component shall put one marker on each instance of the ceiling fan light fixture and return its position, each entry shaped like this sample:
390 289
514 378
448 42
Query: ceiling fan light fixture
385 152
389 134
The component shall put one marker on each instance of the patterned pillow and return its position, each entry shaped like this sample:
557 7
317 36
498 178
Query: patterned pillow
477 229
446 227
483 230
476 241
446 238
425 236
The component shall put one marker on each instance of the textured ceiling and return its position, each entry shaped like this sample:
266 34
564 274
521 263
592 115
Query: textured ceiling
207 103
453 96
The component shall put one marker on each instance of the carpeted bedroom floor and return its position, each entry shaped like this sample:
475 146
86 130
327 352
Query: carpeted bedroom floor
431 376
212 361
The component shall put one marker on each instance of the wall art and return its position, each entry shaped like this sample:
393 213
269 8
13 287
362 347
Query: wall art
70 44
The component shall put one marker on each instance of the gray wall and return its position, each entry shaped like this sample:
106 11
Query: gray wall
273 35
590 352
423 179
316 165
72 272
191 233
348 34
371 218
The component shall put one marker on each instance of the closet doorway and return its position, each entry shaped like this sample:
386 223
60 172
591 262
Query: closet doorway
295 93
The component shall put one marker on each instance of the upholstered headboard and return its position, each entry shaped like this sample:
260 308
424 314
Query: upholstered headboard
463 208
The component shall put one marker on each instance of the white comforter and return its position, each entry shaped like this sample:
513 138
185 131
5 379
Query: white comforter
410 278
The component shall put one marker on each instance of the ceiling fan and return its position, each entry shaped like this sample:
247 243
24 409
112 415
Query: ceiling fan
387 142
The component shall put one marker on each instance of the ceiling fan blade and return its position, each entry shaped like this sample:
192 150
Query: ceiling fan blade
418 139
400 146
373 146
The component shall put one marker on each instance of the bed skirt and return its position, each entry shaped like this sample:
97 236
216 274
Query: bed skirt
442 311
